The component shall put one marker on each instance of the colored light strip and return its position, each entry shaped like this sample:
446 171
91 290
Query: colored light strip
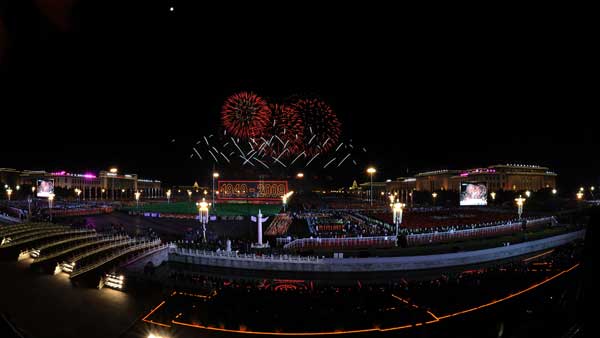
145 319
540 255
511 295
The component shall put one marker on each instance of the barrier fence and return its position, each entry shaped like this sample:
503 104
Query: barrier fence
416 239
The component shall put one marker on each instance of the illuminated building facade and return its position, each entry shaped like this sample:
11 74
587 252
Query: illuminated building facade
436 180
104 185
516 177
402 187
510 177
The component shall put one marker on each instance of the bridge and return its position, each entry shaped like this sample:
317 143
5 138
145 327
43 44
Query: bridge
95 241
69 264
138 246
13 230
38 249
45 234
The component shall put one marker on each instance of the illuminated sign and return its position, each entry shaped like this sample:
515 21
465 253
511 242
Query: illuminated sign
252 190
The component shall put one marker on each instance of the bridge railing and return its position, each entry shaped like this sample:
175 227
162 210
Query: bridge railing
99 241
488 231
46 234
241 256
342 243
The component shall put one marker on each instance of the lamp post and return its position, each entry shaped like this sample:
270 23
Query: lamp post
168 196
493 194
214 175
137 199
579 196
29 200
371 171
18 187
9 192
102 193
528 193
398 215
113 171
554 191
50 200
189 192
202 210
520 202
300 175
434 195
78 192
32 190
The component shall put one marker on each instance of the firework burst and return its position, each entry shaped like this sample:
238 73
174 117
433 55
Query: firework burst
321 125
286 129
245 115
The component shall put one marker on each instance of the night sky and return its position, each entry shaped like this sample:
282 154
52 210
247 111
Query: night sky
106 83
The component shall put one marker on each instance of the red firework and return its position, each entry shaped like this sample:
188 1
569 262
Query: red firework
287 130
245 115
321 125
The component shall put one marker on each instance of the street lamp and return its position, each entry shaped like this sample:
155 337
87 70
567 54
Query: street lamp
32 190
189 192
114 172
398 215
493 194
580 195
300 175
50 200
434 195
19 187
371 171
214 175
169 196
528 193
520 201
137 198
102 193
9 192
285 198
78 192
554 191
203 209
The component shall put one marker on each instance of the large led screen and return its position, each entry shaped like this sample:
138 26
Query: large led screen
473 194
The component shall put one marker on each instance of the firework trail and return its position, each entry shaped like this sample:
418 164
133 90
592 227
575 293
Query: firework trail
343 160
